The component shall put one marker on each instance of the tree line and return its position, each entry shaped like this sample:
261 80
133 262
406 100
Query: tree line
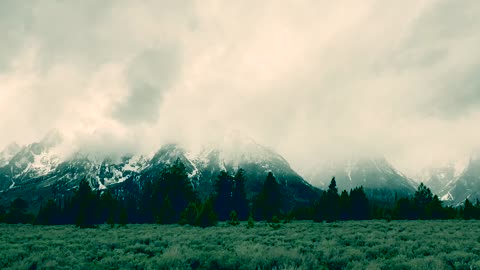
170 198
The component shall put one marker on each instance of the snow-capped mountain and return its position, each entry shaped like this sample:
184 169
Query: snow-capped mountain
379 178
465 185
238 151
440 178
37 169
29 162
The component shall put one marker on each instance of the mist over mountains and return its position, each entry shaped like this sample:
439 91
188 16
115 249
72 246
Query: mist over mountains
41 169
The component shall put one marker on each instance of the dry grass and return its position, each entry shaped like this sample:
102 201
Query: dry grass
298 245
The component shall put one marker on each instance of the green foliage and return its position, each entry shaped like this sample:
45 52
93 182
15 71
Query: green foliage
302 245
189 215
48 214
239 195
123 219
233 219
207 217
223 202
421 199
172 193
269 201
327 208
18 213
250 222
468 210
85 205
230 195
359 204
275 224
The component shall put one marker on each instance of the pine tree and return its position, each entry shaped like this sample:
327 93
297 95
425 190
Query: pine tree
49 214
85 204
239 195
468 210
123 218
107 205
207 217
172 193
404 209
344 206
223 203
435 209
332 202
422 197
270 198
147 202
189 215
18 212
359 204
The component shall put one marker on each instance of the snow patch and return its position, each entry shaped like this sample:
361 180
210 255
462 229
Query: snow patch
447 197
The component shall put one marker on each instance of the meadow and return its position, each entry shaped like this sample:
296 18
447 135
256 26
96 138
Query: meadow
451 244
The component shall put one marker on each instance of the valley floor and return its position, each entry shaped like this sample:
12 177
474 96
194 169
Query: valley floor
451 244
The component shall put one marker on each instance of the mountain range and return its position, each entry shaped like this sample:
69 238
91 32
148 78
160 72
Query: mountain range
39 171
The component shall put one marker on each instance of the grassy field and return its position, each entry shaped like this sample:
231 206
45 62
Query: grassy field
298 245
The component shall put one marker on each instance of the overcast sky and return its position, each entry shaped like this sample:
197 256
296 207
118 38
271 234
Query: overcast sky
311 79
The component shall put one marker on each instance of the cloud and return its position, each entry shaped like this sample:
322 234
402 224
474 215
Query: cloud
148 76
315 80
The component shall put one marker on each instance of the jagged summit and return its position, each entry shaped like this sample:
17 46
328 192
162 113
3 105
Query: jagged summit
36 168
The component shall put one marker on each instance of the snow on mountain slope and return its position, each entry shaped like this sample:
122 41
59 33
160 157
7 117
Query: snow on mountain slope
375 174
465 185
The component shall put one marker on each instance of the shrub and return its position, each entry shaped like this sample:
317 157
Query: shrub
250 222
233 219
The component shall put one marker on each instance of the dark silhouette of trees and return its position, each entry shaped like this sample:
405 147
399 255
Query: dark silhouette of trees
223 202
84 204
468 210
18 212
345 206
270 198
404 209
332 200
239 195
421 199
50 214
172 194
360 209
435 209
206 216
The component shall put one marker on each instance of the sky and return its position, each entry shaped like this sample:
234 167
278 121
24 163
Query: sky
314 80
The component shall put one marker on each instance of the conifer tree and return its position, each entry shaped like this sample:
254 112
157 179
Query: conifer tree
435 209
223 203
344 206
172 193
85 205
468 210
422 197
359 204
239 195
270 198
332 202
206 216
18 212
49 214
